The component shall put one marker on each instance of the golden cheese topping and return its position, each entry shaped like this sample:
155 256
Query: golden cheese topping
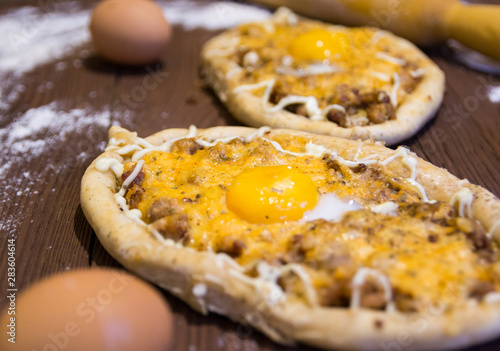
338 232
352 76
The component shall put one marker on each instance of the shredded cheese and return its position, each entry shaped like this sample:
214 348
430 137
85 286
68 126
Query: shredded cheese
417 73
269 275
314 69
205 143
106 163
251 58
128 149
272 274
165 147
113 143
250 87
234 70
310 103
353 164
133 214
279 148
359 279
411 163
394 91
382 76
391 59
379 34
271 290
333 107
493 228
131 177
315 150
257 134
464 198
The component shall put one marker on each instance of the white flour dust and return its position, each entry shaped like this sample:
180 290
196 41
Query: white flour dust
30 142
213 16
46 129
31 37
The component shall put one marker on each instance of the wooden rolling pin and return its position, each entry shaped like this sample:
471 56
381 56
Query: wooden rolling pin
425 22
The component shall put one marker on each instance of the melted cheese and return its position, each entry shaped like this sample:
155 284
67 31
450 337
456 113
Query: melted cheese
107 163
411 163
251 58
395 250
463 198
395 89
360 278
310 103
391 59
361 58
133 214
307 71
493 228
131 177
272 274
249 87
417 73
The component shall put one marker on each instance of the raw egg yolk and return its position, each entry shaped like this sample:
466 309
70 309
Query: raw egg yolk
272 194
320 44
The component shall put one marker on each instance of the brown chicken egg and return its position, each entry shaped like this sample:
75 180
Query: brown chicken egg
92 309
129 32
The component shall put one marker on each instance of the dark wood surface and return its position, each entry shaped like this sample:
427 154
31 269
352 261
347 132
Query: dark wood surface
39 204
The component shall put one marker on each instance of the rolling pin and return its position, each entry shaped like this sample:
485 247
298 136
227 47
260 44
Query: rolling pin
425 22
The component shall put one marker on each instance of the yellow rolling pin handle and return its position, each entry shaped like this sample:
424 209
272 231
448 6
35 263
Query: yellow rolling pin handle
425 22
475 26
420 21
417 20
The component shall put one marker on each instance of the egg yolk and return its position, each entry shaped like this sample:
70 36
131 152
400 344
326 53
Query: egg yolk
320 44
272 194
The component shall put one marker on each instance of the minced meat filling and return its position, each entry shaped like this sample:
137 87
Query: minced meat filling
427 252
369 82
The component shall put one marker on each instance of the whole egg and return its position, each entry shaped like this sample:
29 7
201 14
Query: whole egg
129 32
91 309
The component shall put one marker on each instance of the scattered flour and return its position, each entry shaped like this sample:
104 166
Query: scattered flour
213 16
34 137
31 37
46 129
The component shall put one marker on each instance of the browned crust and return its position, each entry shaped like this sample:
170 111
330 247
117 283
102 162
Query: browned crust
417 109
179 269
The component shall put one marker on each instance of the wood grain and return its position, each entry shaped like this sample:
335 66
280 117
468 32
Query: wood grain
40 201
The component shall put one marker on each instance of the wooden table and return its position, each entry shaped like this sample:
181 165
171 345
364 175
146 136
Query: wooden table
40 206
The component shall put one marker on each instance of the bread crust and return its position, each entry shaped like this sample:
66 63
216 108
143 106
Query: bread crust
416 110
184 271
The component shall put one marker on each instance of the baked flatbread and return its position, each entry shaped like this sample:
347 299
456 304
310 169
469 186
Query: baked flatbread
292 72
330 242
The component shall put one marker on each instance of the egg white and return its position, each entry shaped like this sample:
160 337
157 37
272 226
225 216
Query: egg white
331 208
